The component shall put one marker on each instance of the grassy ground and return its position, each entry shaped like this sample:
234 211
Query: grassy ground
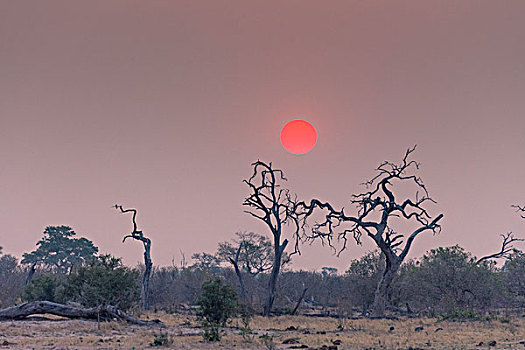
183 333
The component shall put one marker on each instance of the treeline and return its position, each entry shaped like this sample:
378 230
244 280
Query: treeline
444 281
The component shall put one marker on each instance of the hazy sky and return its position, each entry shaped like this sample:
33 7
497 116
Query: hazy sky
163 105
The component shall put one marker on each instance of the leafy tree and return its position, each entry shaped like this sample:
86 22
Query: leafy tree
256 252
217 303
328 271
205 261
104 281
249 253
59 252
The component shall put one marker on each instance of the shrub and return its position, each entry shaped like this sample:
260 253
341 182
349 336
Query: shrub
11 279
44 287
161 340
217 303
513 276
447 280
104 281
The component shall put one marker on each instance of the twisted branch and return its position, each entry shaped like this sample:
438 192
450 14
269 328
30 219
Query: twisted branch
378 199
506 248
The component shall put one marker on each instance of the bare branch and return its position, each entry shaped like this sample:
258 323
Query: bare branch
520 209
506 248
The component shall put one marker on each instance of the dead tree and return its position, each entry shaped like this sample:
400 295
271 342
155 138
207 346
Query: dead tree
102 312
506 248
139 236
294 311
30 274
275 207
377 210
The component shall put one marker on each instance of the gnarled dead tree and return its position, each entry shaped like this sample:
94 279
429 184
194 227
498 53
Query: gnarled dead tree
275 207
377 210
139 236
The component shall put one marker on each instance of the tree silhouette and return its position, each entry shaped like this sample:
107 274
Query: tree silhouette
58 251
377 210
275 207
148 264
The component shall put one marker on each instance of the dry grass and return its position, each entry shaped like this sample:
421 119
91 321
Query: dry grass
314 332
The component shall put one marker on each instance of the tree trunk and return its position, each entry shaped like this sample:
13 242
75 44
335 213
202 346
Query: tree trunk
30 274
383 289
274 275
145 280
46 307
299 301
244 297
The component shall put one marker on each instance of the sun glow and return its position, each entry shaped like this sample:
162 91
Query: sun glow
298 136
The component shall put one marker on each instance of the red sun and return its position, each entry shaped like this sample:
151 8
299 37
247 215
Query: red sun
298 136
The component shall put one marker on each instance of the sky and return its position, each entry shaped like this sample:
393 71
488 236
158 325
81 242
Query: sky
163 105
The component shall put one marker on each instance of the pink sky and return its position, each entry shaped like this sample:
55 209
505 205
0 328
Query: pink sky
163 105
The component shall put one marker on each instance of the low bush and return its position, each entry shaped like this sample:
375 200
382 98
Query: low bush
217 304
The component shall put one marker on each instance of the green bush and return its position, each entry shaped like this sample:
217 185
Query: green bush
161 340
44 287
217 303
104 281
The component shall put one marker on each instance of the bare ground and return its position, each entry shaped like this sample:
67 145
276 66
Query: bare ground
314 332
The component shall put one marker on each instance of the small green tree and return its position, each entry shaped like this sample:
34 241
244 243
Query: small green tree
217 303
59 252
104 281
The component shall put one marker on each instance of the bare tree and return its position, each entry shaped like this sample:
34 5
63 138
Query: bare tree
139 236
275 207
377 210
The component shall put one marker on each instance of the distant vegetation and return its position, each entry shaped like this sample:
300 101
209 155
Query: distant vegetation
252 273
445 280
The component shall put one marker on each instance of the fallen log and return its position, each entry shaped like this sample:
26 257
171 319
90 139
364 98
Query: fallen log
102 312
